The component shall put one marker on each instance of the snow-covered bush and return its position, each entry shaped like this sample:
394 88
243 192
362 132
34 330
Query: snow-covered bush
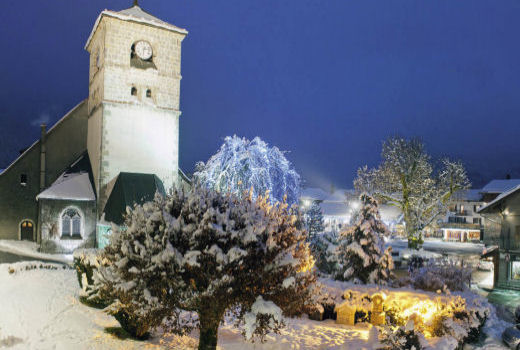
458 321
361 254
242 165
323 249
404 337
86 262
439 275
211 254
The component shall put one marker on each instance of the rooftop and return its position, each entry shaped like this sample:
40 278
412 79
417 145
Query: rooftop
500 186
135 14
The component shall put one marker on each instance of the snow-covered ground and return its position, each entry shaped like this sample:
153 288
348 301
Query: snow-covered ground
30 249
40 310
442 247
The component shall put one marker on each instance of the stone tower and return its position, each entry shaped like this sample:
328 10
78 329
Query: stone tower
133 104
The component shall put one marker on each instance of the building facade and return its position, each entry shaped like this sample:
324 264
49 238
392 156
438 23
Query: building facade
504 211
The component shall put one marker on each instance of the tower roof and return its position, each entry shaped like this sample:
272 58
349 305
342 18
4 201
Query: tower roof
135 14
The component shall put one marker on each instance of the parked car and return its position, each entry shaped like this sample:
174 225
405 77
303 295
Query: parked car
511 337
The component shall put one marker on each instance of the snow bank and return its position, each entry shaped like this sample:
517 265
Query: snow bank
30 249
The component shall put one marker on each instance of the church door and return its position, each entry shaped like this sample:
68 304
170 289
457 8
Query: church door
26 229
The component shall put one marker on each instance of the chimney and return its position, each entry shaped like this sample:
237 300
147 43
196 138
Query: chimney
43 155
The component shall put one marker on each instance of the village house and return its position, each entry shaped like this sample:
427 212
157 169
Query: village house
504 213
116 148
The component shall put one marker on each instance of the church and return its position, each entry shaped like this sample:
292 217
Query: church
114 149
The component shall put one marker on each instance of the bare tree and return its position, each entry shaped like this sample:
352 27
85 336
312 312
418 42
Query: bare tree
406 179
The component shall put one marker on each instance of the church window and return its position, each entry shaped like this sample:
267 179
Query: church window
23 179
148 93
133 91
71 224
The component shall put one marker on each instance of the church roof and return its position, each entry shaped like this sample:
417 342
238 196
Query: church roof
130 189
135 14
74 184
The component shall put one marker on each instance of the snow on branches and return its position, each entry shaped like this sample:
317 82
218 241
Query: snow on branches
407 180
241 165
211 254
361 254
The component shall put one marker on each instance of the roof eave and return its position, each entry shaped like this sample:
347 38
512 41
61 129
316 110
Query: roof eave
123 17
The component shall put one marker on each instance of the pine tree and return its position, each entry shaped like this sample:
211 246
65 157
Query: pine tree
323 248
314 220
361 254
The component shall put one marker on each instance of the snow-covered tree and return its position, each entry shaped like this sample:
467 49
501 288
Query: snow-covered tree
361 254
406 179
314 219
241 165
323 248
210 253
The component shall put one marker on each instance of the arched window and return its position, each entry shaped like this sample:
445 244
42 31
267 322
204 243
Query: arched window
149 93
133 91
71 224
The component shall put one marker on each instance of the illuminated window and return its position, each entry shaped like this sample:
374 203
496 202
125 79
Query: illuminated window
515 270
70 224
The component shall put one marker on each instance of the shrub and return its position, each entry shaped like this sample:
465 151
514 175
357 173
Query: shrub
436 276
211 254
86 262
459 322
403 338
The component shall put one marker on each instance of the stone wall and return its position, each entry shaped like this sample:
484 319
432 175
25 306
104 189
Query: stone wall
66 141
50 216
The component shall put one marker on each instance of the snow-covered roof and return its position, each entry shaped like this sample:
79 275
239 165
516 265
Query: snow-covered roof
334 209
135 14
500 198
500 186
314 193
471 195
70 186
390 213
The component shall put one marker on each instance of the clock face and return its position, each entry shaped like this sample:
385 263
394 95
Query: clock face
143 49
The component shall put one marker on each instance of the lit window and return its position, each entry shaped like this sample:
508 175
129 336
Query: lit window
515 270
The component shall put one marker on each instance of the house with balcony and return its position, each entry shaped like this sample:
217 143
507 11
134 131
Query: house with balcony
504 213
463 223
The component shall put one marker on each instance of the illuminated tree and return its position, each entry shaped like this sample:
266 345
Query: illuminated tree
242 165
406 179
361 254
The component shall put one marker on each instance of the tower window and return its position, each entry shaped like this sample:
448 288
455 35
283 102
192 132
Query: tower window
23 179
148 93
133 91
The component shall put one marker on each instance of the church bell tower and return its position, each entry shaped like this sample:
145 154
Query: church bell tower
133 104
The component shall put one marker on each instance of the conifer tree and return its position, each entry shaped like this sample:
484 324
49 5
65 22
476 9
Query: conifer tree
314 220
361 254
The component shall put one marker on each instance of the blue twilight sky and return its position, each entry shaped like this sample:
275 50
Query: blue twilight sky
327 80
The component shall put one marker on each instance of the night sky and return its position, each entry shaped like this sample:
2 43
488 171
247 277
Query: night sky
326 80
